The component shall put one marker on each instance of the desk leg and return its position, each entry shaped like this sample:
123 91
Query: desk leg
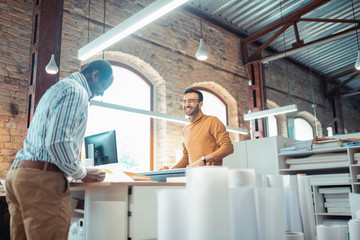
106 213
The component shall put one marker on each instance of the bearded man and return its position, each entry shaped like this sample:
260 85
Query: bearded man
206 141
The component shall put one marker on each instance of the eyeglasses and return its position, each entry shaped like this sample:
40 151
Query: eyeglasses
189 101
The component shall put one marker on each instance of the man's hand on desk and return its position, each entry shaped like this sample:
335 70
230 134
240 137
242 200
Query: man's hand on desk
94 175
164 168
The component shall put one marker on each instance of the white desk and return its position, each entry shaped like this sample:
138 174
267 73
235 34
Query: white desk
126 210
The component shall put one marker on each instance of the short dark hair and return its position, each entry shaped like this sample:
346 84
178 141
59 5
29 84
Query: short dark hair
190 90
103 66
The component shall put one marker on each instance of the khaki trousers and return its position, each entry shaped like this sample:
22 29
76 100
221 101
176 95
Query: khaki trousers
39 204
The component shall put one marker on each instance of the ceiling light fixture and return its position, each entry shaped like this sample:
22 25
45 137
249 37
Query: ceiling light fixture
357 63
145 16
156 115
201 53
270 112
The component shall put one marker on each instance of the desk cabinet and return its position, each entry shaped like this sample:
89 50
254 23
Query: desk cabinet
120 210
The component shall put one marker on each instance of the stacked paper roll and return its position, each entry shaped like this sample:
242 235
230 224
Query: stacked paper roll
172 214
292 205
354 229
306 207
331 232
294 236
209 216
271 213
243 213
242 177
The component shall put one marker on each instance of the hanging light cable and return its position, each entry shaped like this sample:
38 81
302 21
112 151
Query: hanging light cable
275 111
201 53
357 63
51 67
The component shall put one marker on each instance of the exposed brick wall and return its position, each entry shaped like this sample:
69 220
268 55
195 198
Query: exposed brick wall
15 35
168 46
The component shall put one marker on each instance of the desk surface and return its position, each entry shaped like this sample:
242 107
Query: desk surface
80 186
170 171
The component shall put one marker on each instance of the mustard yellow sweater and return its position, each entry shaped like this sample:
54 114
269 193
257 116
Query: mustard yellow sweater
205 135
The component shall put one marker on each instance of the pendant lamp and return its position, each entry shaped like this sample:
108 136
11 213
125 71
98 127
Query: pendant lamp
357 63
52 68
201 53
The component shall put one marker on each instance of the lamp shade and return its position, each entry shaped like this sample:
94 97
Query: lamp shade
202 53
270 112
357 64
52 68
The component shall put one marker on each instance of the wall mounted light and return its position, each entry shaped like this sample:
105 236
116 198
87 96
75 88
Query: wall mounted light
156 115
270 112
145 16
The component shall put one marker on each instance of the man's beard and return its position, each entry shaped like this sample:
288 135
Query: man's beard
194 112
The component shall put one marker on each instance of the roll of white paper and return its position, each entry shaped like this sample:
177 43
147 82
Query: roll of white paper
294 236
271 213
242 177
357 214
172 214
306 207
331 232
275 181
354 229
243 213
292 205
209 216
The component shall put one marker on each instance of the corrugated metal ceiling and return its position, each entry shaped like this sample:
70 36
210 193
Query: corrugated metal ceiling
247 17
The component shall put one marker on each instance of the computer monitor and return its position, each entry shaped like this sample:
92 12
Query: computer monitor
101 147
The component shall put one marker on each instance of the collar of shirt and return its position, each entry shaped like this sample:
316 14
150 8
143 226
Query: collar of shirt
80 78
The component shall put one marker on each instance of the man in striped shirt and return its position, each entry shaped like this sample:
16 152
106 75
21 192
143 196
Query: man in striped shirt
37 190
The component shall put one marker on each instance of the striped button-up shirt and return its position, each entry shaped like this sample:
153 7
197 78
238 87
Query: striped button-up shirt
57 129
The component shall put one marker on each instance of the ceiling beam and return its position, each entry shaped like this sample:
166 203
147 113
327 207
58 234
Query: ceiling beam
287 19
350 94
312 44
328 20
343 83
339 75
268 42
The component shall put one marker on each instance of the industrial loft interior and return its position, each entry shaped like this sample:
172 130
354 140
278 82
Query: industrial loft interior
281 76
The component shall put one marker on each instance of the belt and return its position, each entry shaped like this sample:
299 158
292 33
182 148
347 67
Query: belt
45 166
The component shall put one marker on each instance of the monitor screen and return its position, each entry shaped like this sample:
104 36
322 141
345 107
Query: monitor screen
101 147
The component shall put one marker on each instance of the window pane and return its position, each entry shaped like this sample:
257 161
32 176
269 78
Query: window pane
303 130
132 130
272 126
214 106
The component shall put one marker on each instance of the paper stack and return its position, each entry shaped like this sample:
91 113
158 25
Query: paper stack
296 146
325 179
336 199
321 160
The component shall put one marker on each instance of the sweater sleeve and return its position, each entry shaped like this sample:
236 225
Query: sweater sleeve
184 160
222 139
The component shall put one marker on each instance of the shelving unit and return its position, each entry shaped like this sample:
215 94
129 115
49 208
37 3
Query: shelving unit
350 167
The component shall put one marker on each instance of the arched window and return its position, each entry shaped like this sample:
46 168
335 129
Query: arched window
303 129
214 105
133 132
272 127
